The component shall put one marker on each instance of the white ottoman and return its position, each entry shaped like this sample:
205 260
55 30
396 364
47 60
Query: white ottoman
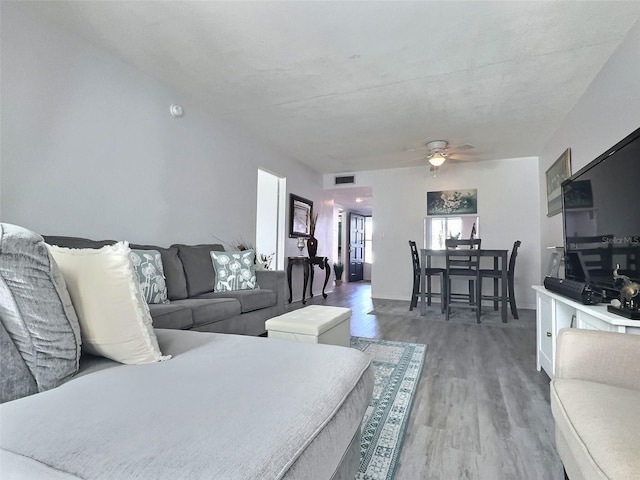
313 324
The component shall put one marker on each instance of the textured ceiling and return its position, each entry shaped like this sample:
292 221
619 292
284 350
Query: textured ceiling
348 86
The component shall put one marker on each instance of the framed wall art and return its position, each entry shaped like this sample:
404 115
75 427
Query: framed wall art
452 202
300 212
556 174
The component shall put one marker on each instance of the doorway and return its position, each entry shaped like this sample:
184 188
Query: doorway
270 217
356 247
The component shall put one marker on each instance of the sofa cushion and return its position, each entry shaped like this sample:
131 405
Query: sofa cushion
225 407
198 268
171 315
36 312
211 310
173 270
148 267
17 380
601 425
250 300
114 318
76 242
234 270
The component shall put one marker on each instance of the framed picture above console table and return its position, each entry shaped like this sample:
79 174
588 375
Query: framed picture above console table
554 311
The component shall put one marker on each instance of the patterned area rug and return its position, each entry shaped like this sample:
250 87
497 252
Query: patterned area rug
458 315
397 367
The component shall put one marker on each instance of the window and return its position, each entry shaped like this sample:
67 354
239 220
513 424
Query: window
368 236
438 229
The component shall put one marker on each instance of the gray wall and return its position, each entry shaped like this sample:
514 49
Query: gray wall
89 149
607 112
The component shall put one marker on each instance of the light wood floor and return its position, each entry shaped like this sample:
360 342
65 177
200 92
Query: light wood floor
481 410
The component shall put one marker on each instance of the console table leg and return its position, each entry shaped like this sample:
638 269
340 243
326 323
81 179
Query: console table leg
312 274
306 280
326 276
289 266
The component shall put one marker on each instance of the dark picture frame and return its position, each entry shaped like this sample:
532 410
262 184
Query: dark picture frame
555 175
300 214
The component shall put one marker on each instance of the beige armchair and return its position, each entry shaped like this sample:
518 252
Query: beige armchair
595 401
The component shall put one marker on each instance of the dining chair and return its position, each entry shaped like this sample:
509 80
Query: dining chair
429 272
496 275
463 261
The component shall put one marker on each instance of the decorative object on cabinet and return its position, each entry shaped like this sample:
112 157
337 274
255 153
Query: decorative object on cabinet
300 213
629 297
555 175
555 260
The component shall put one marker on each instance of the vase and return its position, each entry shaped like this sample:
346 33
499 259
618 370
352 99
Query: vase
312 246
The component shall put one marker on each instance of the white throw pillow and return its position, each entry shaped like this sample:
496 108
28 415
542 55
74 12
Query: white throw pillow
114 318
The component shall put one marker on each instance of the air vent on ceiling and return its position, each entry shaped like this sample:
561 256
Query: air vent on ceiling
345 179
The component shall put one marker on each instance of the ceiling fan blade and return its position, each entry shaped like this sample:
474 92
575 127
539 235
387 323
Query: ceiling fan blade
464 146
415 159
457 158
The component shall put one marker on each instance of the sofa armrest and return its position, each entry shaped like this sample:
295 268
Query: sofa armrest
596 356
275 280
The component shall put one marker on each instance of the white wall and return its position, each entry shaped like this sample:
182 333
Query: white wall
89 149
508 202
608 111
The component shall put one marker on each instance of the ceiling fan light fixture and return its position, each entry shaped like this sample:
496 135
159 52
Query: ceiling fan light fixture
436 159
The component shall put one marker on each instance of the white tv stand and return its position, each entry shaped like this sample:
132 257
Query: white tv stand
554 312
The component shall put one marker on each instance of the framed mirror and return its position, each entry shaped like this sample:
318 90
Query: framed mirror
300 211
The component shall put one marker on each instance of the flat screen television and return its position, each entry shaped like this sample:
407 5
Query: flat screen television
601 215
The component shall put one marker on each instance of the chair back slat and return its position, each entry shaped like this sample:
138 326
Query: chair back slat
465 258
415 259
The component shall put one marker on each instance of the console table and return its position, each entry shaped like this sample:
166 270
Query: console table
554 311
308 264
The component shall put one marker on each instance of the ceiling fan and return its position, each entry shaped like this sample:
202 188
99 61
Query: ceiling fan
439 151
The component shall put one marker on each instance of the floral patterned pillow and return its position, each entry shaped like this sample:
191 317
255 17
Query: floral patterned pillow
148 267
234 270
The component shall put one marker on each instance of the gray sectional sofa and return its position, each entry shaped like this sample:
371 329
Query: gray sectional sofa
215 406
194 305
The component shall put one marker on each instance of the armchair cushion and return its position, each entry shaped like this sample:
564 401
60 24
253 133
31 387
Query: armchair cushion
594 401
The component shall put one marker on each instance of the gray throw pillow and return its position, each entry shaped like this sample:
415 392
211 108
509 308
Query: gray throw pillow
197 267
36 309
148 267
234 270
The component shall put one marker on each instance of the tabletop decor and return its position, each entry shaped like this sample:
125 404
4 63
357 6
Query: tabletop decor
312 241
556 174
397 367
452 202
300 245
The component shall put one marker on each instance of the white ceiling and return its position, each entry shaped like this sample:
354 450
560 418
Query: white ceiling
348 86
